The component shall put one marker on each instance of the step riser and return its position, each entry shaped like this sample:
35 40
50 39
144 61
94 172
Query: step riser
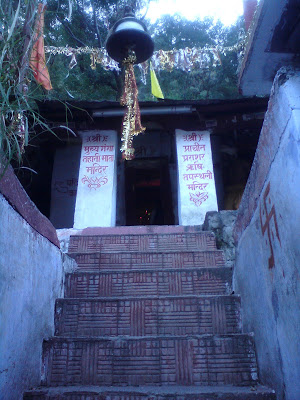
154 242
133 396
193 361
147 317
128 261
150 283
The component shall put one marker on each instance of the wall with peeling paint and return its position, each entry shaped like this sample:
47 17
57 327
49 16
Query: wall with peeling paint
267 233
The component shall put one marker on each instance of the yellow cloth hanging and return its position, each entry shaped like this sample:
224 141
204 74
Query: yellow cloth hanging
155 87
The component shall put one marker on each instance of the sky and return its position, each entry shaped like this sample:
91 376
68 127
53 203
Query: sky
226 10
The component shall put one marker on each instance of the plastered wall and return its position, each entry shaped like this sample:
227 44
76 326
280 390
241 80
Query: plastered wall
267 233
31 278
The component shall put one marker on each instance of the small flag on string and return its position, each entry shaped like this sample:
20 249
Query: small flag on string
37 58
155 88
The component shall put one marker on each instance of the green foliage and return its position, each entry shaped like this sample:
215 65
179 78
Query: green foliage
78 23
177 32
19 116
13 102
89 25
208 83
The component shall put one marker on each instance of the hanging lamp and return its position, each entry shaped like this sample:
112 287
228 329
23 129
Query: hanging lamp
129 43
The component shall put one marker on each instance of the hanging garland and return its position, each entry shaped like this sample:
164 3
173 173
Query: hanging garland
132 118
97 55
185 59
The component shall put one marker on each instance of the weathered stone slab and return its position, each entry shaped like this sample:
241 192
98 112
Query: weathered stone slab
96 193
256 392
196 183
141 229
222 225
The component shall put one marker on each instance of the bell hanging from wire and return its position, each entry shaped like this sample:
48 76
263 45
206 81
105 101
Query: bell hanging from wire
129 34
130 43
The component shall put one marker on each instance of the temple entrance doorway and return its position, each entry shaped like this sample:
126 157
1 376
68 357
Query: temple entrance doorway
148 196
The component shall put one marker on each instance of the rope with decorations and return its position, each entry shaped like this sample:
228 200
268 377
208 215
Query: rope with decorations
186 59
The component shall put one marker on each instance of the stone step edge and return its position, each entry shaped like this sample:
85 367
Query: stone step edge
167 269
170 251
83 268
154 390
137 230
80 273
147 338
150 234
151 297
159 236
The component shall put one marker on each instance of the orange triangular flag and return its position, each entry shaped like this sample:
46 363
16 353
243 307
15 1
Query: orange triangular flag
37 58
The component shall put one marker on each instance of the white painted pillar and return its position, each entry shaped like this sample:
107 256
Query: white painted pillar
196 183
97 181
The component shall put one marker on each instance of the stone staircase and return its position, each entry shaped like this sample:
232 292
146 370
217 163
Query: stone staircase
149 316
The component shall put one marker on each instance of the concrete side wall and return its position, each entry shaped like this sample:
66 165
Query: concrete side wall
267 231
31 278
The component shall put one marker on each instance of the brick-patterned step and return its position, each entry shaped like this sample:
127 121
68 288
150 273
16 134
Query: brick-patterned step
205 281
193 315
140 261
151 393
197 360
148 242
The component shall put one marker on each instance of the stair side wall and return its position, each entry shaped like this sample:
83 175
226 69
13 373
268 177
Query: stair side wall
31 278
267 272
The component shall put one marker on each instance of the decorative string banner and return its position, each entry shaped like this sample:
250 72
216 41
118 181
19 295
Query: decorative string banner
97 55
187 59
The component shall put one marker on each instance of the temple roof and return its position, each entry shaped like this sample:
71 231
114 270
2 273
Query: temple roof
219 116
273 42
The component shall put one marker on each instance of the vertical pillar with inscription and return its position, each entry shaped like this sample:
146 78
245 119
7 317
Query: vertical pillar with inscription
97 181
196 183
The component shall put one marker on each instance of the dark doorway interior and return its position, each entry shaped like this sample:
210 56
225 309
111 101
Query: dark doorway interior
35 173
148 192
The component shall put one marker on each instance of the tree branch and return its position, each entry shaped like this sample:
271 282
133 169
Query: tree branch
96 24
147 9
28 34
70 32
119 84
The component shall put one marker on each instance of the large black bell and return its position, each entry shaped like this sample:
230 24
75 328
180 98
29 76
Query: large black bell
129 34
